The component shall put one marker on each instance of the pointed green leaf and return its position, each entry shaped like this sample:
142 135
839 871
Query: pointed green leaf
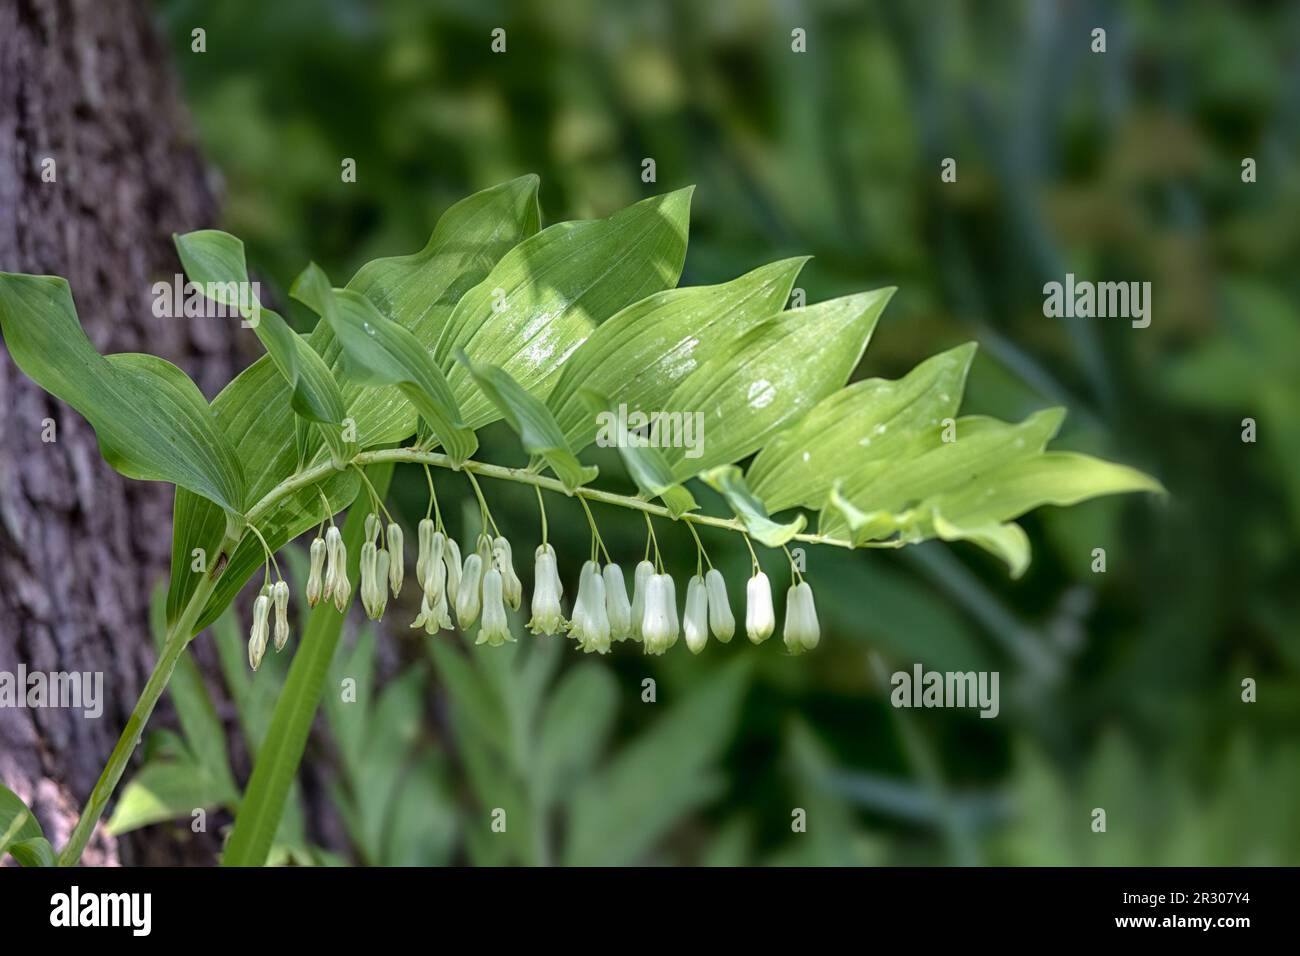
547 295
378 351
868 422
214 260
1007 541
17 823
730 483
418 292
151 420
644 461
34 852
773 375
639 356
531 420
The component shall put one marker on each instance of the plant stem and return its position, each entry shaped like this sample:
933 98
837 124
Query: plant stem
178 637
318 472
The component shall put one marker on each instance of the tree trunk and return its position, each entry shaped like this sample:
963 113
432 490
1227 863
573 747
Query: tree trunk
87 84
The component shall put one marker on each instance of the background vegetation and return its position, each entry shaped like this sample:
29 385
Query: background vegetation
1119 690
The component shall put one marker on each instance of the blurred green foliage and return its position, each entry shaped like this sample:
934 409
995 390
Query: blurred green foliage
1121 690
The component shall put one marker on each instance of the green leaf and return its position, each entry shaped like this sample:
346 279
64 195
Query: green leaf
151 420
531 420
17 823
165 790
644 462
639 355
418 292
774 374
378 351
214 260
34 852
281 752
730 483
547 295
855 428
615 818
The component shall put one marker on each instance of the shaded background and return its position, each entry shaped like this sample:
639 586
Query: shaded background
1120 690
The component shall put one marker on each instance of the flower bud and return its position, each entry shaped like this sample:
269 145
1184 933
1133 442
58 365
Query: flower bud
721 621
259 632
695 622
760 621
512 587
396 559
617 607
367 564
495 629
801 632
280 599
372 527
468 594
451 558
423 548
548 616
333 545
640 578
382 577
316 572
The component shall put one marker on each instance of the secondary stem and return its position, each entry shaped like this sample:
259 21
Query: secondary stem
178 636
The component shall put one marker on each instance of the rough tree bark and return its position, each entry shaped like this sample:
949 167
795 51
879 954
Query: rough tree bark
88 85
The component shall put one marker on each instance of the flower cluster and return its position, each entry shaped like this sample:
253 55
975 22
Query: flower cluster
480 587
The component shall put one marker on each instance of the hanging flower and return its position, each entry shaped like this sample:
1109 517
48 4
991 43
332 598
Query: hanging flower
424 533
641 575
451 558
258 633
495 629
280 600
469 593
659 618
589 625
315 572
510 583
396 559
617 607
760 621
801 632
721 621
695 622
548 616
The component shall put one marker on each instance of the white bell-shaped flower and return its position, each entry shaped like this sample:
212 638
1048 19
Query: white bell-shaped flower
589 625
451 558
366 565
260 631
695 619
396 559
801 632
548 615
656 630
510 583
335 561
760 620
640 579
382 579
469 593
721 621
280 601
424 533
674 628
315 572
495 629
617 606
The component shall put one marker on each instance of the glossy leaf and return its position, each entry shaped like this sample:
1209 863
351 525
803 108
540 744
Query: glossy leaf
151 420
774 374
853 429
378 351
639 356
417 292
531 420
547 295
